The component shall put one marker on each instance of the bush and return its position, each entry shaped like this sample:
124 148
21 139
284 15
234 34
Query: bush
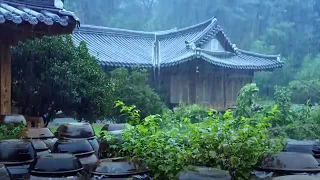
233 143
11 131
297 121
132 88
196 113
52 74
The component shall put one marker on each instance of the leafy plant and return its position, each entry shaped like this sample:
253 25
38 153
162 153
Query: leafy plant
297 121
196 113
52 74
11 131
132 88
231 141
111 145
245 100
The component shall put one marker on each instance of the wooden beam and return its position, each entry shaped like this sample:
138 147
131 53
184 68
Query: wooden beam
5 79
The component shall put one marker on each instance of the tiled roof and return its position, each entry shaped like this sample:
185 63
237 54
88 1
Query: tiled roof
114 47
35 12
127 48
238 60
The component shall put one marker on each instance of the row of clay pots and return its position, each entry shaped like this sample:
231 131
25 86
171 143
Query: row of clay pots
297 157
71 159
78 139
206 173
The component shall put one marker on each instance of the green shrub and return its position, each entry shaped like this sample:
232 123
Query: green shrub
11 131
297 121
196 113
233 143
132 88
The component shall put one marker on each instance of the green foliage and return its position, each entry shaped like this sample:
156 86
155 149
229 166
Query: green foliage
236 146
196 113
52 74
11 131
112 145
132 88
296 121
169 144
245 100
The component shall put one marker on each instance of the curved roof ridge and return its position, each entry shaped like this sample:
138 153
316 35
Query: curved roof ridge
217 53
256 54
110 30
196 26
205 31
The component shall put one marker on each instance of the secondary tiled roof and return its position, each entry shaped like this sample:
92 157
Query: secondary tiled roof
127 48
115 47
35 12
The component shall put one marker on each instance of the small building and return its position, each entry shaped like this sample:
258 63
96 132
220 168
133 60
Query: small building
27 19
197 64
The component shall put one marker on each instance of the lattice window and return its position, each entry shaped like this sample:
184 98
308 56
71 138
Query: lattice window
214 45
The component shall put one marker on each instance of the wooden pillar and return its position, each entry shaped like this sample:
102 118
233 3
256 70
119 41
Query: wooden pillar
5 79
224 87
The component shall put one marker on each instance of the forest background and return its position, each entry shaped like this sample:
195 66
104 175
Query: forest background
290 28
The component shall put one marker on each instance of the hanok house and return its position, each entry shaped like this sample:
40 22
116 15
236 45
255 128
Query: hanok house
27 19
197 64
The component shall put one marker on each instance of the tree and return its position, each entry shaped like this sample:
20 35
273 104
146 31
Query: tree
52 74
131 87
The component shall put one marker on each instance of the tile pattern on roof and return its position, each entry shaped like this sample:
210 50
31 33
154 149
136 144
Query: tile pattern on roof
232 60
119 47
20 13
173 47
117 50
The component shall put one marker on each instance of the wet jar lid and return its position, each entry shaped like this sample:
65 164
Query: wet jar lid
113 127
12 119
55 164
16 151
75 130
39 145
119 167
37 133
73 146
290 162
297 177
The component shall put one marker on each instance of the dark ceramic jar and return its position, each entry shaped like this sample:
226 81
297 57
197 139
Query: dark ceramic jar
309 147
113 127
297 177
203 173
4 175
81 148
17 155
121 169
56 166
40 147
12 119
37 133
43 134
78 131
289 163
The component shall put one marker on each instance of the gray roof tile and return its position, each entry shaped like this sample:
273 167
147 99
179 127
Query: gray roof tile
119 47
34 12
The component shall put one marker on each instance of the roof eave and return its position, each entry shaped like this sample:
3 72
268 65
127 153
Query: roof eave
224 65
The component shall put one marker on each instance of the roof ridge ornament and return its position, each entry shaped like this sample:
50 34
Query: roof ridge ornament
198 52
58 4
191 46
